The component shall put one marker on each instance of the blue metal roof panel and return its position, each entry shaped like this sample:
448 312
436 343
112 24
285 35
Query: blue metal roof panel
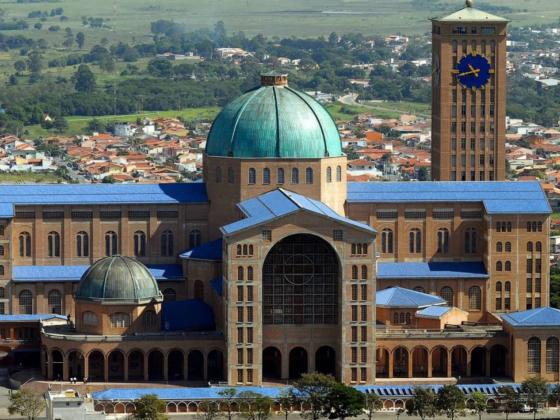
30 317
207 251
433 311
217 285
400 297
502 197
61 273
539 317
183 393
429 270
6 210
187 315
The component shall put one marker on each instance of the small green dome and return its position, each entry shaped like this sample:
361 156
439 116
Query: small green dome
118 279
274 121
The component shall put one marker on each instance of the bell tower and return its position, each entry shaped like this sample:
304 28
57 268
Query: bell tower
468 96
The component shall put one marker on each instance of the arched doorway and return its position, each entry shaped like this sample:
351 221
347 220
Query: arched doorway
136 366
195 366
459 361
76 365
57 365
439 362
272 363
420 362
215 366
382 363
96 366
175 365
116 366
400 362
300 282
298 362
155 365
498 361
325 360
478 361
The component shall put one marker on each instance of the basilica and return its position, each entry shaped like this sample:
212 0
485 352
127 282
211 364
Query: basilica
275 266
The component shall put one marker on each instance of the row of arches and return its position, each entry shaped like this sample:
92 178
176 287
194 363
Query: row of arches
266 175
298 362
111 243
136 365
551 359
440 361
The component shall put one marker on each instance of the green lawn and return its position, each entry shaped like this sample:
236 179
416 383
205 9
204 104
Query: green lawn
77 125
399 107
346 112
29 177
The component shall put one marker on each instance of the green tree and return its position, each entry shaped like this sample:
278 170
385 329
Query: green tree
96 125
286 399
536 392
84 79
149 407
20 66
254 406
35 62
208 410
372 403
343 401
313 389
26 403
227 398
80 39
60 124
422 404
479 404
509 400
109 179
451 401
160 67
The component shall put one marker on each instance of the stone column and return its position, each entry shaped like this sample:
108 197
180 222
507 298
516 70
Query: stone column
49 366
469 363
410 365
106 368
146 372
65 367
449 366
166 367
284 356
126 368
487 363
429 365
86 366
391 361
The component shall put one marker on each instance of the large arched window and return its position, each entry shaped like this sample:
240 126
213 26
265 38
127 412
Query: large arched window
529 246
266 176
309 176
120 320
25 302
499 247
280 177
24 244
470 241
300 282
387 241
338 174
252 176
329 174
2 252
508 246
538 246
111 243
475 298
139 244
89 318
415 241
169 295
82 244
534 355
295 176
55 302
498 266
167 244
250 274
53 244
354 272
240 273
194 238
446 294
443 241
364 272
2 271
552 356
507 266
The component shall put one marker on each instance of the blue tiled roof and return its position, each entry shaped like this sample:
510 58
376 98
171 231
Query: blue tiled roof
279 203
399 297
187 315
76 194
433 311
30 317
430 270
208 251
218 285
539 317
184 393
30 273
504 197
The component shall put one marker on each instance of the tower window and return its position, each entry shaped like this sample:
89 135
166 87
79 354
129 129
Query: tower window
295 176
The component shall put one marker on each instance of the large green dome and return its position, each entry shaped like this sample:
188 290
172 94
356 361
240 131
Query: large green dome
118 279
274 121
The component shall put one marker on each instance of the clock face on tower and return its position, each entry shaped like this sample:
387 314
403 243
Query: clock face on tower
473 71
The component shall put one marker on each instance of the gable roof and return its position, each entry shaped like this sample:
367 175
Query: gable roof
400 297
210 251
76 194
279 203
431 270
497 197
433 312
534 318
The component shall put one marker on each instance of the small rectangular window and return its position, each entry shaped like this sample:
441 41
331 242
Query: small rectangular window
415 214
363 374
443 214
53 215
386 214
139 214
338 235
110 214
167 214
267 235
82 214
